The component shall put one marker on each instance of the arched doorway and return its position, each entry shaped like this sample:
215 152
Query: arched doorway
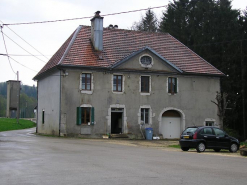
170 126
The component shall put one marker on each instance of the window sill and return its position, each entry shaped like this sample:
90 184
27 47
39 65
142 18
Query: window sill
117 92
172 94
145 94
86 92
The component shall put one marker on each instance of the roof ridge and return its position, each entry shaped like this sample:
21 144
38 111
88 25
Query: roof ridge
70 43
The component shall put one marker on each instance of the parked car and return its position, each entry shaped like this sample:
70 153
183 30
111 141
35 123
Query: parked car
207 137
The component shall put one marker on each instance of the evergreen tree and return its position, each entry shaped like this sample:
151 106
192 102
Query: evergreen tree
147 23
2 106
215 31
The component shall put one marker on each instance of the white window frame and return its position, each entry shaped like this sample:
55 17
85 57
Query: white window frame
210 120
123 80
92 84
167 85
146 66
145 93
151 115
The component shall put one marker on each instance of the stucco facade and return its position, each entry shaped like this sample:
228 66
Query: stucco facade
115 81
192 100
48 111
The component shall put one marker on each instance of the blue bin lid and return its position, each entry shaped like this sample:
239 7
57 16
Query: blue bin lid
148 128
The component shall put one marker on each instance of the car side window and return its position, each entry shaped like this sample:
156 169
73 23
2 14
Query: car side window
219 133
207 131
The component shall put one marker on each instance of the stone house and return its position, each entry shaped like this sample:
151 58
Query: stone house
116 81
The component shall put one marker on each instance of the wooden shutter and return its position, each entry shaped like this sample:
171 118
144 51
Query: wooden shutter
78 116
175 88
92 116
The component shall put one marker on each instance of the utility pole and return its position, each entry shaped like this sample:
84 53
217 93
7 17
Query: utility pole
18 98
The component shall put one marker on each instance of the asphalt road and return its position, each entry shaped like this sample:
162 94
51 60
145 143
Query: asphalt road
27 159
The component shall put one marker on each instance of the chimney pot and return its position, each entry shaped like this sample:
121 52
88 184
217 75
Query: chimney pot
110 26
97 14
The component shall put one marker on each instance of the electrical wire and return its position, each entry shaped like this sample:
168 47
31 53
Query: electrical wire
7 51
25 41
22 64
23 48
72 19
18 62
19 55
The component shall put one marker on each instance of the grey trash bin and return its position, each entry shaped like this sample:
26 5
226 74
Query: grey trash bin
149 133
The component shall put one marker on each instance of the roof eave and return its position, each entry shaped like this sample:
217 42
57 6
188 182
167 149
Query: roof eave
205 74
45 73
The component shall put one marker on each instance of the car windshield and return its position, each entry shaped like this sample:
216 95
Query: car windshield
190 130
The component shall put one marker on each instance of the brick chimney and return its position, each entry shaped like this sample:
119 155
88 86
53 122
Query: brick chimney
97 31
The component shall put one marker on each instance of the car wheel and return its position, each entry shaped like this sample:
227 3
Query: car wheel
200 147
185 148
233 147
216 150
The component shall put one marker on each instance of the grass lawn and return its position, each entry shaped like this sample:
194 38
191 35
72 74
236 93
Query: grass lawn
243 143
11 124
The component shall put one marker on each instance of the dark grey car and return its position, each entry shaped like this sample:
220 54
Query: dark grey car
207 137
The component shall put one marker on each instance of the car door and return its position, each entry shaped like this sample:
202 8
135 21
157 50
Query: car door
223 140
209 137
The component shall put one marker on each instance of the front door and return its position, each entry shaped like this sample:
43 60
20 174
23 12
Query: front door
116 121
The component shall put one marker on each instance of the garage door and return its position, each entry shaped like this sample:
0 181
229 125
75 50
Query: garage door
171 125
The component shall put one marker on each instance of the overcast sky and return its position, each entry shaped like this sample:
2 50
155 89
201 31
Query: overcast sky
48 37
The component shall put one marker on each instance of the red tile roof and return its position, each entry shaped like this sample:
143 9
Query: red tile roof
118 43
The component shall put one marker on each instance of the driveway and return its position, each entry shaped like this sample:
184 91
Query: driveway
26 158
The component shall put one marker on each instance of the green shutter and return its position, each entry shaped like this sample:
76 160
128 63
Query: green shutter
92 116
78 116
175 88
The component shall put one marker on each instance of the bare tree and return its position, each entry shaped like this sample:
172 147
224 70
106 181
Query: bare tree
221 103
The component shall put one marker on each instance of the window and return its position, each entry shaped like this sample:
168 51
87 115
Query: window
146 61
219 133
85 115
43 116
207 131
209 123
145 115
117 83
172 85
86 81
145 83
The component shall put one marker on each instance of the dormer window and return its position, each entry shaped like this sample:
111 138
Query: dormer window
146 61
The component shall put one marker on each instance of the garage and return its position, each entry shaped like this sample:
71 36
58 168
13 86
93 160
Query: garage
171 124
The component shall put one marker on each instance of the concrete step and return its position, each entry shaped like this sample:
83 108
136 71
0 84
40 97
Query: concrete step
118 136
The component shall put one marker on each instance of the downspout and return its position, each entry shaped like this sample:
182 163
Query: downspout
60 105
37 111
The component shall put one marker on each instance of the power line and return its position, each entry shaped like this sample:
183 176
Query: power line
7 51
23 65
72 19
18 62
23 48
19 55
26 41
